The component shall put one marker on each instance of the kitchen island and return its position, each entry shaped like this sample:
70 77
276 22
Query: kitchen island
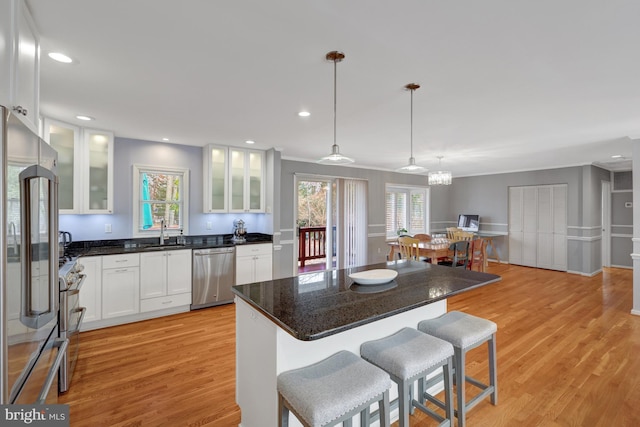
293 322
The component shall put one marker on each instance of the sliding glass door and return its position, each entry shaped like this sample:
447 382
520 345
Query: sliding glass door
331 221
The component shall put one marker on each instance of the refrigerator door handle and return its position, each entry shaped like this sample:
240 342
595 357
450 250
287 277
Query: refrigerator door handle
53 372
28 315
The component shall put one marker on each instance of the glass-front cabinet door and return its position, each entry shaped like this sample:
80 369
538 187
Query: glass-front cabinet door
233 179
256 180
65 139
215 179
98 171
237 180
247 180
85 167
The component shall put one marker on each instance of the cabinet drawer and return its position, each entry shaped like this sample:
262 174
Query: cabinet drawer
118 261
159 303
258 249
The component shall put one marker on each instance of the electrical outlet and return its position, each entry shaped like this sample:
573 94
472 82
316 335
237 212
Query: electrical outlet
107 228
209 225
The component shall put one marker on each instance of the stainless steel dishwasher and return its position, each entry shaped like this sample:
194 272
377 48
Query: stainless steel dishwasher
213 276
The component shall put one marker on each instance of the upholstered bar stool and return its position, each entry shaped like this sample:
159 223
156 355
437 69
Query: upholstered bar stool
409 355
466 332
332 391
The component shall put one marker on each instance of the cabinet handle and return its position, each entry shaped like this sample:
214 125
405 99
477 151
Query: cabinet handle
167 302
122 270
122 260
20 110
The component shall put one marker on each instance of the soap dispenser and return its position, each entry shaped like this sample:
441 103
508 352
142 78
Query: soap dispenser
181 240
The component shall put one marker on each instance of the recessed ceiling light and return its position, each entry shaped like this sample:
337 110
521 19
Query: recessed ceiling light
86 118
250 141
616 156
304 114
165 139
60 57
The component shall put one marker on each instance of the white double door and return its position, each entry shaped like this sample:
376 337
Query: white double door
538 226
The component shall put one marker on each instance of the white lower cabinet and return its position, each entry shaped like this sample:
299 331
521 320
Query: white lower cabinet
254 263
165 279
136 286
120 285
91 291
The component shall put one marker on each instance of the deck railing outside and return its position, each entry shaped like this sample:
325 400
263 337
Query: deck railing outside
312 243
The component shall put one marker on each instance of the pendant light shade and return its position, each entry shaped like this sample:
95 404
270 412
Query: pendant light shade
440 177
335 158
411 167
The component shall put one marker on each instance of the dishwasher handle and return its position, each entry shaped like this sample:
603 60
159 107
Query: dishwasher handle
213 251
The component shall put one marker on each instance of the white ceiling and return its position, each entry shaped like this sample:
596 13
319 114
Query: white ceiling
506 85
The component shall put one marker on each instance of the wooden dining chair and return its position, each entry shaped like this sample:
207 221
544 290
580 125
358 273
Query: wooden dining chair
478 255
460 235
460 256
409 248
423 238
450 231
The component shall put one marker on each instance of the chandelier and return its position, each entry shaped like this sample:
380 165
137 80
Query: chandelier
412 167
335 158
440 177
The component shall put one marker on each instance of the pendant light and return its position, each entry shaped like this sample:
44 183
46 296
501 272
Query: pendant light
335 158
440 177
412 167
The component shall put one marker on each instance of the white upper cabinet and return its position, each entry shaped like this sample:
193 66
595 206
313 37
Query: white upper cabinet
246 183
233 180
216 170
65 139
97 171
85 164
19 62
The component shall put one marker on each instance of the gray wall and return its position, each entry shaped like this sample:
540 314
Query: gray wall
621 229
128 152
488 197
378 248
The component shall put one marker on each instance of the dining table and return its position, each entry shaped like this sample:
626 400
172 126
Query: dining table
432 250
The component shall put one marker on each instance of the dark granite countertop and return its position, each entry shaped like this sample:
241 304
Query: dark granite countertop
127 246
316 305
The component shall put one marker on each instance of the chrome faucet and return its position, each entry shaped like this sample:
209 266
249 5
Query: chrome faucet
162 226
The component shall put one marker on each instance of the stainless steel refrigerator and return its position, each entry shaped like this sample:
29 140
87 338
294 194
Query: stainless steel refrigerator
30 350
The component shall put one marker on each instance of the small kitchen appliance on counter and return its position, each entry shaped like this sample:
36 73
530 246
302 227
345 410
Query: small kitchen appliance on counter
239 231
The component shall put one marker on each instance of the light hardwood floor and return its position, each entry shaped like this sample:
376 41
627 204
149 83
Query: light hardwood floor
568 355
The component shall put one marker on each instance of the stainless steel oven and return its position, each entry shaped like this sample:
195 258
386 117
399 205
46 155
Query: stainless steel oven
71 316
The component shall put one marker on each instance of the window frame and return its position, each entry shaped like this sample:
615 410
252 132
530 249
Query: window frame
409 191
138 170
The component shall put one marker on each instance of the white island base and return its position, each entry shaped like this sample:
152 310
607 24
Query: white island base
263 350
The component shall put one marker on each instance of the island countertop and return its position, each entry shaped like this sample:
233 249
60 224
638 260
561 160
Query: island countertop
316 305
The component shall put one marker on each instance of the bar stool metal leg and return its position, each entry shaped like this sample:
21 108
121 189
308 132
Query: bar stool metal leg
408 356
466 332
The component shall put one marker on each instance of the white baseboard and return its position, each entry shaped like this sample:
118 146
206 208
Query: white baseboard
635 312
580 273
622 266
114 321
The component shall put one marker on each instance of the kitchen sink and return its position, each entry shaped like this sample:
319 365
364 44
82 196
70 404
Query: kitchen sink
159 247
